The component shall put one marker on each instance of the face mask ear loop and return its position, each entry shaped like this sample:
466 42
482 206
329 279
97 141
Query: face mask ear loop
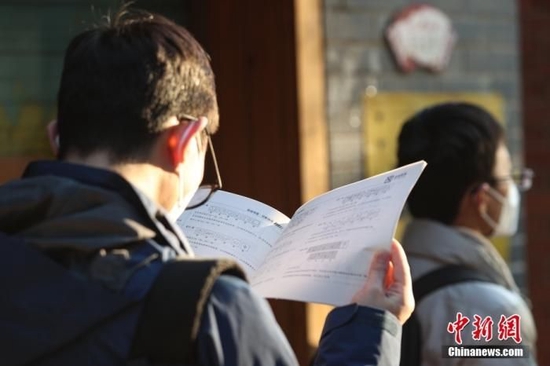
496 195
490 191
492 223
179 207
178 143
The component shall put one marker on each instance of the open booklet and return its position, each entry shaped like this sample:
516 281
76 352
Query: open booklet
322 253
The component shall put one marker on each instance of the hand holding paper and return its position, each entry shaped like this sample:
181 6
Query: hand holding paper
320 255
389 284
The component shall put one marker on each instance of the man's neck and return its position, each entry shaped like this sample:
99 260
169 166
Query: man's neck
143 176
470 221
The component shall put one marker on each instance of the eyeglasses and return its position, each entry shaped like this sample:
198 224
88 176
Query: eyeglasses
523 179
205 191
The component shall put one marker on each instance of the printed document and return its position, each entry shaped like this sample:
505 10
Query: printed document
321 254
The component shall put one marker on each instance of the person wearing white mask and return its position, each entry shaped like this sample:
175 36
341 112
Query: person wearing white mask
84 237
467 194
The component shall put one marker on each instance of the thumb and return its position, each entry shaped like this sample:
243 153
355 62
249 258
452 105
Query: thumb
379 268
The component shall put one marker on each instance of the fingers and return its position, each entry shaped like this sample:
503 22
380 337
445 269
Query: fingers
402 286
373 292
388 285
389 276
401 269
379 268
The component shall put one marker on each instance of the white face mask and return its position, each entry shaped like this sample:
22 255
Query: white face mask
507 224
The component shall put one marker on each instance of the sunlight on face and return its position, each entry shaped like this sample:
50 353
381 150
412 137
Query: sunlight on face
502 168
501 171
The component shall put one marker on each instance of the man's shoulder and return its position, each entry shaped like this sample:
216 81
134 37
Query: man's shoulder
475 294
239 327
233 293
470 298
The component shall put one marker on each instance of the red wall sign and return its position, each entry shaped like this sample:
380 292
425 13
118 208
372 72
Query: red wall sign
421 36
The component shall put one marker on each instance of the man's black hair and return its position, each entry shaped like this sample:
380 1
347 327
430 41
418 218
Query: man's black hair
459 142
123 79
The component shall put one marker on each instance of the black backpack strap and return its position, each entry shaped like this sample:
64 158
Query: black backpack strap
411 341
446 276
173 308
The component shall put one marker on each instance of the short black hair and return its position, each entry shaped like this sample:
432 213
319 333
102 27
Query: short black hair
459 142
121 80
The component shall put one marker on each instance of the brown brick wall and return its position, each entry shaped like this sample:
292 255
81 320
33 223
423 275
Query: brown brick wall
535 40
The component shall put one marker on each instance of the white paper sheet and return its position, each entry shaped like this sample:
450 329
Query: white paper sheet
322 254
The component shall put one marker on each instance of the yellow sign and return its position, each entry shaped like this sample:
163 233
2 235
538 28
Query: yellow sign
23 137
26 135
385 113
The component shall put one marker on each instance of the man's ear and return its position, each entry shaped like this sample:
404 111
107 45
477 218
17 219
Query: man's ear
480 197
53 136
181 136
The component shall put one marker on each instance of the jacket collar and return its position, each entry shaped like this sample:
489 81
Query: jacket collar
90 176
456 245
150 214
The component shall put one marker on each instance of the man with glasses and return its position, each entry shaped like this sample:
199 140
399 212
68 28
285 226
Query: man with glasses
83 238
468 193
205 190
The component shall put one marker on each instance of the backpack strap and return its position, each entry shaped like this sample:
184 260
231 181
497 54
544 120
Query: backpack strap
172 313
411 342
446 276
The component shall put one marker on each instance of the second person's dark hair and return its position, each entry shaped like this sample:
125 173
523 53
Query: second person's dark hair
459 143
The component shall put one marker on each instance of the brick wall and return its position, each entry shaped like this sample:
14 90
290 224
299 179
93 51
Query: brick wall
535 39
485 59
